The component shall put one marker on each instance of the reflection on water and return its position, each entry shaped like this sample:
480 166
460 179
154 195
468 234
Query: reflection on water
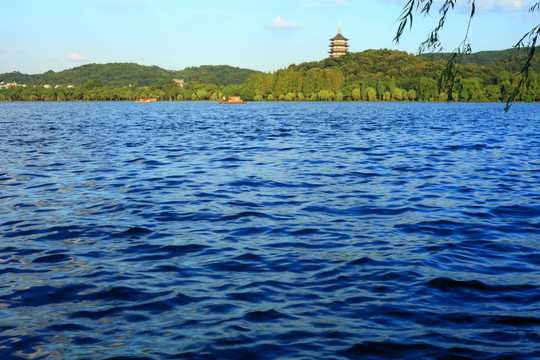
270 230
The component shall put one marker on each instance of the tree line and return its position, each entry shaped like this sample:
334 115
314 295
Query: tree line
372 75
93 91
385 75
130 74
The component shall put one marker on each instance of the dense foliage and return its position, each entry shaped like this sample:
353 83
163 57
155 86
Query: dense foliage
376 75
215 74
372 75
130 74
480 57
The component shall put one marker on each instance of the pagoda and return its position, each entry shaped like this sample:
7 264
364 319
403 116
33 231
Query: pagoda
338 44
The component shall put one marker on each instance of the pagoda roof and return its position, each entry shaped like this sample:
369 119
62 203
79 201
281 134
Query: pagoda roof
339 37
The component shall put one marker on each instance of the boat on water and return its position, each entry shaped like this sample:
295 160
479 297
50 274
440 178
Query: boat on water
232 100
146 100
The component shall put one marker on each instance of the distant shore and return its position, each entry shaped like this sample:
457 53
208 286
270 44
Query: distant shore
264 101
371 75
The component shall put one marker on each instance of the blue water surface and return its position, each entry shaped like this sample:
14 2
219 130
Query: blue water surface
269 231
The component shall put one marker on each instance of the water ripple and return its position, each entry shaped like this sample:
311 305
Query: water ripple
271 230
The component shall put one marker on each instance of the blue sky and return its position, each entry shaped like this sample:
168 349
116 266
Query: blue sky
39 35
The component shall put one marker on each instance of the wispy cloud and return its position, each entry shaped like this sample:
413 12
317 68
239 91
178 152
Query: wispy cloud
18 51
504 4
328 3
76 57
279 23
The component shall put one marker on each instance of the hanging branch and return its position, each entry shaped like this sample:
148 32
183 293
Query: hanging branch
529 42
450 76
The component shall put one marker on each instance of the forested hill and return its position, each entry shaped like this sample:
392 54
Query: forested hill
125 74
371 75
481 57
215 74
390 75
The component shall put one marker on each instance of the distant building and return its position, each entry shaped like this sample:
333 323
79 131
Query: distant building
338 44
4 85
179 82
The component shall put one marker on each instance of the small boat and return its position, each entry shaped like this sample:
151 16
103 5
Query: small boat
232 100
146 100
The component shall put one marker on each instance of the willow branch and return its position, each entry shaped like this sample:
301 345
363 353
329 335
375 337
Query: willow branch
528 41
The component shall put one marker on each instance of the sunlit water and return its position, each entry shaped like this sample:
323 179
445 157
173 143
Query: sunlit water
269 230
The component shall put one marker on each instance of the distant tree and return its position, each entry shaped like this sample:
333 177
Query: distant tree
493 92
478 96
381 87
290 96
392 86
467 88
427 88
91 84
398 94
411 94
371 94
281 86
356 94
202 94
363 91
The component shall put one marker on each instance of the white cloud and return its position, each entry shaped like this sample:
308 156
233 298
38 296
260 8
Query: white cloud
504 4
18 51
328 3
279 23
76 57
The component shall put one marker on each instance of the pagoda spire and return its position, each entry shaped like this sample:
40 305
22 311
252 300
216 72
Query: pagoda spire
338 44
339 27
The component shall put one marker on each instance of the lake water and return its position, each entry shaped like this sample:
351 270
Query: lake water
269 231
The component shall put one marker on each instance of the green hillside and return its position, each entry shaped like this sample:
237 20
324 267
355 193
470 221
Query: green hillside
387 75
125 74
371 75
215 74
480 57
